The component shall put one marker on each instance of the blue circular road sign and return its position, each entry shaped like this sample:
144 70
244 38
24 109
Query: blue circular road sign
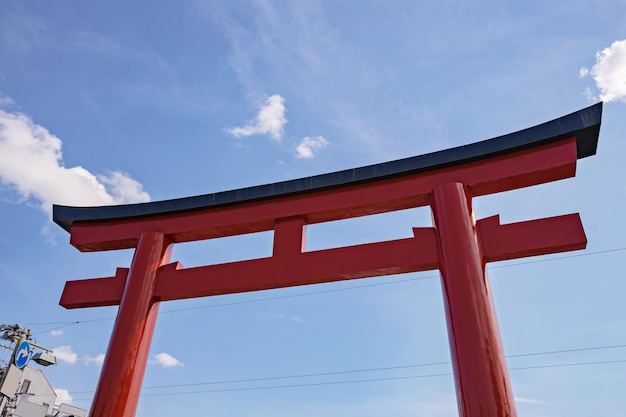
22 354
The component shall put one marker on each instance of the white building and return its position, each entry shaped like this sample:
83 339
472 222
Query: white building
37 398
35 388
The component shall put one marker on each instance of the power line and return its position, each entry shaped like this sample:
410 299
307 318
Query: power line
567 350
386 368
567 364
374 379
354 381
57 328
557 258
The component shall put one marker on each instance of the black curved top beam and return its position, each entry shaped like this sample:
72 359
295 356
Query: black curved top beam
583 124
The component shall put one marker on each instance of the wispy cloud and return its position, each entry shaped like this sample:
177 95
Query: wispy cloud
6 101
56 332
269 121
309 145
97 360
609 73
166 360
295 319
528 400
20 33
31 162
65 354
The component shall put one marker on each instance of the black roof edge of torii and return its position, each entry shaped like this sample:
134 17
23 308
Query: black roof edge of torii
584 124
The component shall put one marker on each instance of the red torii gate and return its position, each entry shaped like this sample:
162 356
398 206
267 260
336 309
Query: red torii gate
457 245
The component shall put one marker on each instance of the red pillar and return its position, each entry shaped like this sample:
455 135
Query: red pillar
481 377
123 369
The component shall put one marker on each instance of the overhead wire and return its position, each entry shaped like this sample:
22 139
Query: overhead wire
353 381
388 368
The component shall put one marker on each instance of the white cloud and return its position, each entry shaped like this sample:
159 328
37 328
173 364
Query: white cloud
31 162
56 332
63 396
65 354
609 72
270 120
166 360
309 145
124 189
94 360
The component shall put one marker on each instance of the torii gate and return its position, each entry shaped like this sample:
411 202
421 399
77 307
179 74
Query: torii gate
457 245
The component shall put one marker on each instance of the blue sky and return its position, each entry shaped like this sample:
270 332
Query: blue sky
127 102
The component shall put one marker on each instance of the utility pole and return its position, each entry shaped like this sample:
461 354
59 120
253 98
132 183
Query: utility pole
20 341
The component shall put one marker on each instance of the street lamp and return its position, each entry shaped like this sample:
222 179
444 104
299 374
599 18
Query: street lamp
45 358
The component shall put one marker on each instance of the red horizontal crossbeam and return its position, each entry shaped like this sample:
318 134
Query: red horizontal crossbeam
95 292
530 238
517 170
419 253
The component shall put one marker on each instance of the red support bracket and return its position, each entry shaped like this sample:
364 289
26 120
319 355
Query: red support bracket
289 236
